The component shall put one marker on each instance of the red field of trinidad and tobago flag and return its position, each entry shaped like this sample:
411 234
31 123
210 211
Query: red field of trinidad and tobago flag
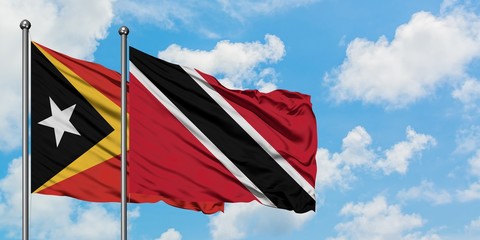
198 144
192 143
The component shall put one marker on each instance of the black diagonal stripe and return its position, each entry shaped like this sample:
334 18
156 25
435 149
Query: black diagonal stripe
224 132
47 158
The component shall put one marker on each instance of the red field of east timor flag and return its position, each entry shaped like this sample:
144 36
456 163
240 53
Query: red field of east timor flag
193 140
75 128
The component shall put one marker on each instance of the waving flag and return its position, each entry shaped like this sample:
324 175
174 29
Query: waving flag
193 140
75 128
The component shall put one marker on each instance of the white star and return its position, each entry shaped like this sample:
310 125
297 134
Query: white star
60 121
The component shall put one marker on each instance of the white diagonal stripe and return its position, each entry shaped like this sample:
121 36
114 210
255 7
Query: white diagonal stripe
251 131
200 136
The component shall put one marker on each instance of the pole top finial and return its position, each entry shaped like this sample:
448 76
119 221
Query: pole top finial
123 30
25 24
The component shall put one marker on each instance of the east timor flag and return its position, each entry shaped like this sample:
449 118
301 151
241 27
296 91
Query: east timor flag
75 127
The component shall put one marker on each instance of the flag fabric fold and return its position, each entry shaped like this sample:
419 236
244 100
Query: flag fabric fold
193 140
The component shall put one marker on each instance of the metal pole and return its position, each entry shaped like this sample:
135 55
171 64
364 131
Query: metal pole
123 31
25 26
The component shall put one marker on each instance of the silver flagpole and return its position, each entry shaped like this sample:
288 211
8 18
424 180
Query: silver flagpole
123 31
25 26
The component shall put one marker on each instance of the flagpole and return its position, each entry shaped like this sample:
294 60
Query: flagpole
123 31
25 26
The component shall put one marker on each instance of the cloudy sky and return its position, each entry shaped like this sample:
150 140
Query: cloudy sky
395 87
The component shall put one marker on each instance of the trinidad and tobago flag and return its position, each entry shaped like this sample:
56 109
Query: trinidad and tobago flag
194 141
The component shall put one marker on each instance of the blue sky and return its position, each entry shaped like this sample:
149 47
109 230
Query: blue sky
395 88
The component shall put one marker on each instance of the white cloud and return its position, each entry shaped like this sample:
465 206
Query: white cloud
243 69
474 163
53 217
468 94
197 15
448 5
172 15
357 152
331 171
72 27
468 140
471 231
425 191
473 226
420 236
170 234
72 221
337 168
164 13
243 9
169 14
377 220
411 66
398 157
11 195
134 213
472 193
241 220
